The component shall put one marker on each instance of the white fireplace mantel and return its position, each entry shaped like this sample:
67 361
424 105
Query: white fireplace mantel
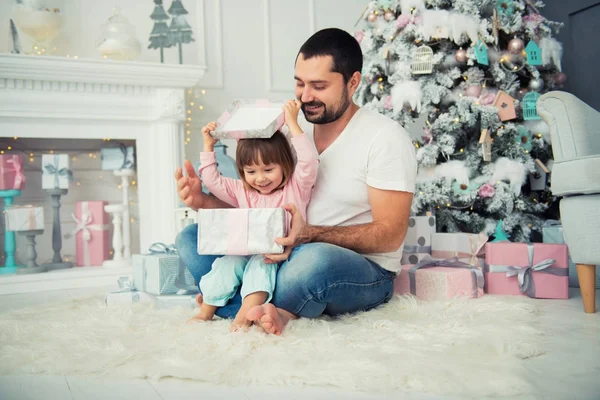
55 97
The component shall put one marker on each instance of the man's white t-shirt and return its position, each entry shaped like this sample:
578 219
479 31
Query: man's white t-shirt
372 150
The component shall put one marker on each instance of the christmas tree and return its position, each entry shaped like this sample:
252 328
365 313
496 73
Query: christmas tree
159 38
471 71
179 31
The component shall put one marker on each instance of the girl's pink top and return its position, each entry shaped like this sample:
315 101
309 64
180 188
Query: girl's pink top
297 191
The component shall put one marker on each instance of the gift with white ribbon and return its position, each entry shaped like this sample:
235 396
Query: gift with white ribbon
92 235
467 247
127 296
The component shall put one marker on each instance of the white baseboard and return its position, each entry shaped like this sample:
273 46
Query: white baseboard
72 278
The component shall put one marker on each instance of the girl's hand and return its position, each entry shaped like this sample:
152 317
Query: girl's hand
291 109
209 141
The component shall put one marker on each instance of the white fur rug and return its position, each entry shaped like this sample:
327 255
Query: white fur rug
454 348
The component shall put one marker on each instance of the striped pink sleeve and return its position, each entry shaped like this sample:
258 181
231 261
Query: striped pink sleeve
225 189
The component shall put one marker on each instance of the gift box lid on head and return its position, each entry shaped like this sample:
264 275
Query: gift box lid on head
249 119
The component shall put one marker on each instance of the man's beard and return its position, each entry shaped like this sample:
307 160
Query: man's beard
327 116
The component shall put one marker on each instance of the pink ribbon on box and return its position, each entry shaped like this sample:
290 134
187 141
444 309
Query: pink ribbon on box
20 178
85 225
477 244
237 232
263 103
224 118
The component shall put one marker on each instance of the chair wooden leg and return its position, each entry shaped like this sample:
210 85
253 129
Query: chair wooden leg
587 282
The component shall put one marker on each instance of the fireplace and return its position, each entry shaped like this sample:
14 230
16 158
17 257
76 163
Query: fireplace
63 98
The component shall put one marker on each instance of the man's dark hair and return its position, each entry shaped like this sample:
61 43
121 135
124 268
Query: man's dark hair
340 45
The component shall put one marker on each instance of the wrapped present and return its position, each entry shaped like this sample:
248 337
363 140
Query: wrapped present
92 235
467 247
11 172
115 158
246 119
24 218
440 280
160 271
417 243
538 270
240 231
552 232
56 171
128 296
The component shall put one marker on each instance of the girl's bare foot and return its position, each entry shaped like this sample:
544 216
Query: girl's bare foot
240 323
207 312
270 319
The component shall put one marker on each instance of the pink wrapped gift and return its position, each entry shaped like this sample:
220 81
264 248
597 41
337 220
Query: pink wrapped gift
538 270
467 247
440 280
11 172
92 236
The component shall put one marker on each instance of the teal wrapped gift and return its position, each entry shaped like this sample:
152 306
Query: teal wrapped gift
160 271
552 232
115 158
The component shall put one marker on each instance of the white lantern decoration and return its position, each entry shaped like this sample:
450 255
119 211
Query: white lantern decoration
422 62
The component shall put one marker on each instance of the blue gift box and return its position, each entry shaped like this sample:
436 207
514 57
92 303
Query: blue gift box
552 232
115 158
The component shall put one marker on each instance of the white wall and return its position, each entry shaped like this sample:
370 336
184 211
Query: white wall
248 46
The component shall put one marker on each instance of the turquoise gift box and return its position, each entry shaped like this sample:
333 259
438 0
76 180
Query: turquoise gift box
552 232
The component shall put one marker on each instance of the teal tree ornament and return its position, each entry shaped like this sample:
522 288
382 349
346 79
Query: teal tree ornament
159 37
481 53
524 138
500 235
534 53
505 7
179 31
530 106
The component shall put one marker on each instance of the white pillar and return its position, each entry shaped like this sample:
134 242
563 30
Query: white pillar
125 174
117 242
160 152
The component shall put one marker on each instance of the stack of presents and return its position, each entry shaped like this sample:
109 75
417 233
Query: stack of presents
92 224
442 266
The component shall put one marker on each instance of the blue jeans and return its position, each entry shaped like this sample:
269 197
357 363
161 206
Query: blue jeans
317 278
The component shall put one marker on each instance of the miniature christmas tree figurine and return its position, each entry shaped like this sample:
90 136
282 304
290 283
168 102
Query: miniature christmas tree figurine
159 38
179 31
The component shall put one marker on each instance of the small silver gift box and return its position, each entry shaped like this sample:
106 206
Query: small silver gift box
24 218
56 171
240 231
129 298
160 273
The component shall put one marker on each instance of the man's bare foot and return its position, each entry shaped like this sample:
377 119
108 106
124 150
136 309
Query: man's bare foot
270 319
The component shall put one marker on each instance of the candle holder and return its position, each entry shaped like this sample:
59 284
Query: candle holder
57 261
10 266
31 267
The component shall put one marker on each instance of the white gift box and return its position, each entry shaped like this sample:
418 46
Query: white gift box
129 298
116 158
240 231
24 218
248 119
467 247
56 171
417 242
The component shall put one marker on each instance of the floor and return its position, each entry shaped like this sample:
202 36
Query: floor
581 386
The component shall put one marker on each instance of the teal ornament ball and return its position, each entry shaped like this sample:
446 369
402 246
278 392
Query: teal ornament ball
524 138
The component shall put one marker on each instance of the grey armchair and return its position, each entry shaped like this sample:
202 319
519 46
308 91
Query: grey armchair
575 134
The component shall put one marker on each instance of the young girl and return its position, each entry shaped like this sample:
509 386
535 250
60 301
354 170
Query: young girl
268 180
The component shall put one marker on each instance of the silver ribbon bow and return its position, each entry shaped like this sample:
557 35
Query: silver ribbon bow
161 248
524 274
476 273
53 170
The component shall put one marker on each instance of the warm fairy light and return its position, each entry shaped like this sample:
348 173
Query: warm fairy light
51 151
132 220
100 177
189 119
119 186
15 138
456 120
9 148
31 159
462 150
380 79
189 91
30 154
203 91
78 183
132 183
91 155
191 103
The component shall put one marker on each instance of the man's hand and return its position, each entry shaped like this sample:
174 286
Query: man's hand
297 235
189 187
